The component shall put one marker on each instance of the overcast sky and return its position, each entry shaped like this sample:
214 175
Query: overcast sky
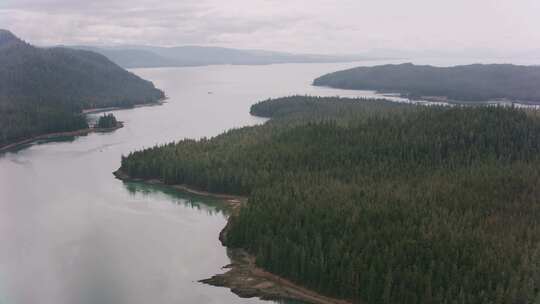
317 26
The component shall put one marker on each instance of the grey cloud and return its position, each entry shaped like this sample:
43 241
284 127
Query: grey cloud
291 25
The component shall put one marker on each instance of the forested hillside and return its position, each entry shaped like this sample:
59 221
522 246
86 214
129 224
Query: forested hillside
44 90
377 202
475 82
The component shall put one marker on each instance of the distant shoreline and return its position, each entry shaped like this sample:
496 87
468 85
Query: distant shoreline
471 84
244 278
107 109
438 100
80 132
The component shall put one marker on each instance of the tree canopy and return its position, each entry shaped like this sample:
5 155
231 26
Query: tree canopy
377 202
43 90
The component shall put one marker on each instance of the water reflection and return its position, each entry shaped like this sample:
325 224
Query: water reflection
209 205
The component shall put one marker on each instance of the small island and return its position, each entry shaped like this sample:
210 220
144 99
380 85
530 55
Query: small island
474 83
108 122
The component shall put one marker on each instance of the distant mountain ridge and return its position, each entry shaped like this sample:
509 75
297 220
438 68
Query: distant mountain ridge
43 90
468 83
149 56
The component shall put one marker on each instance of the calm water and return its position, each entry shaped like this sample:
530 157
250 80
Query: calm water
71 233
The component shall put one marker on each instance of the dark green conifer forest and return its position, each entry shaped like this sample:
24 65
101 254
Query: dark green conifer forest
377 202
469 83
44 90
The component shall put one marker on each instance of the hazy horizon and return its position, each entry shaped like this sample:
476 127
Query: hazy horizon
298 26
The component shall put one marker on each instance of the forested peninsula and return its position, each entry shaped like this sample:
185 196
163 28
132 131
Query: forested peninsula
467 83
44 90
376 202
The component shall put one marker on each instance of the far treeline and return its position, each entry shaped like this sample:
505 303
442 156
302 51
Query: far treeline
467 83
377 202
44 90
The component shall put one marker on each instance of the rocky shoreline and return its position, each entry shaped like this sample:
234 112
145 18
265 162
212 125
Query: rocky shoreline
244 278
